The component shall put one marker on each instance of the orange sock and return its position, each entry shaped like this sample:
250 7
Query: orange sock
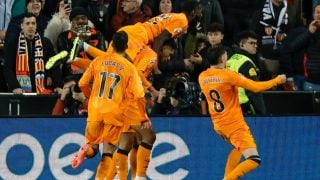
242 169
143 159
112 172
122 163
82 63
233 161
103 166
133 161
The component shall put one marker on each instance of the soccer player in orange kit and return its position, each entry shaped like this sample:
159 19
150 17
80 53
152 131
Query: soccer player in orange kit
116 83
219 86
140 35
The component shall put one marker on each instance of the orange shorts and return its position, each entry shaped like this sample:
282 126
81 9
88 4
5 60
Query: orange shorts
240 138
100 129
135 114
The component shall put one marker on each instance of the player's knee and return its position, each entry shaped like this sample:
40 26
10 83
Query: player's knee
149 138
153 138
255 158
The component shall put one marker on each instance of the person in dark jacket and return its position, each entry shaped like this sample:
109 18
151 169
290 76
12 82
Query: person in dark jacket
80 29
24 60
310 41
33 7
244 62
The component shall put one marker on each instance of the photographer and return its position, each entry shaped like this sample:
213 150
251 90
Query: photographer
180 97
72 101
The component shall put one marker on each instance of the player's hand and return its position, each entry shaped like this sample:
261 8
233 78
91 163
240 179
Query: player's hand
283 78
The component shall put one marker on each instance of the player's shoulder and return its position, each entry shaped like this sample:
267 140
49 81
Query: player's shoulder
175 16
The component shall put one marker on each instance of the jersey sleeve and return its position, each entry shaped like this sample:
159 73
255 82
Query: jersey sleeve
254 86
85 80
135 89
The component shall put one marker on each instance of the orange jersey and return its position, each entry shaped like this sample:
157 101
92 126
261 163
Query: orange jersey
142 34
175 23
137 39
145 62
116 81
220 88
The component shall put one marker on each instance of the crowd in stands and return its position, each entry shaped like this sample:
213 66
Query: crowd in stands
263 38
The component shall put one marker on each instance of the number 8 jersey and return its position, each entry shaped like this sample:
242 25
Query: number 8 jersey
220 87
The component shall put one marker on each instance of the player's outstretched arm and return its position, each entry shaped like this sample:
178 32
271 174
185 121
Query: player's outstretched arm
258 86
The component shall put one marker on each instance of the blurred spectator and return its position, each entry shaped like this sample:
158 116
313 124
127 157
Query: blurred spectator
271 25
165 6
130 14
244 62
18 8
237 15
296 14
315 3
208 13
309 40
149 8
307 11
5 12
169 64
34 7
49 7
59 22
292 63
81 29
215 37
72 101
25 57
100 13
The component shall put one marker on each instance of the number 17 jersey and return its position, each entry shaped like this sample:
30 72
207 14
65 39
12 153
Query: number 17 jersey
115 82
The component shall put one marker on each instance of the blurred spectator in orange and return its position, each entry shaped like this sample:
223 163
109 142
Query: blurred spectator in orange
72 101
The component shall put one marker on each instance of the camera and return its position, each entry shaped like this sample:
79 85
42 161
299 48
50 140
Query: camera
181 88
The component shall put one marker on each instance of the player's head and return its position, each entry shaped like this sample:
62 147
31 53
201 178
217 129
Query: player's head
120 41
217 55
191 8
